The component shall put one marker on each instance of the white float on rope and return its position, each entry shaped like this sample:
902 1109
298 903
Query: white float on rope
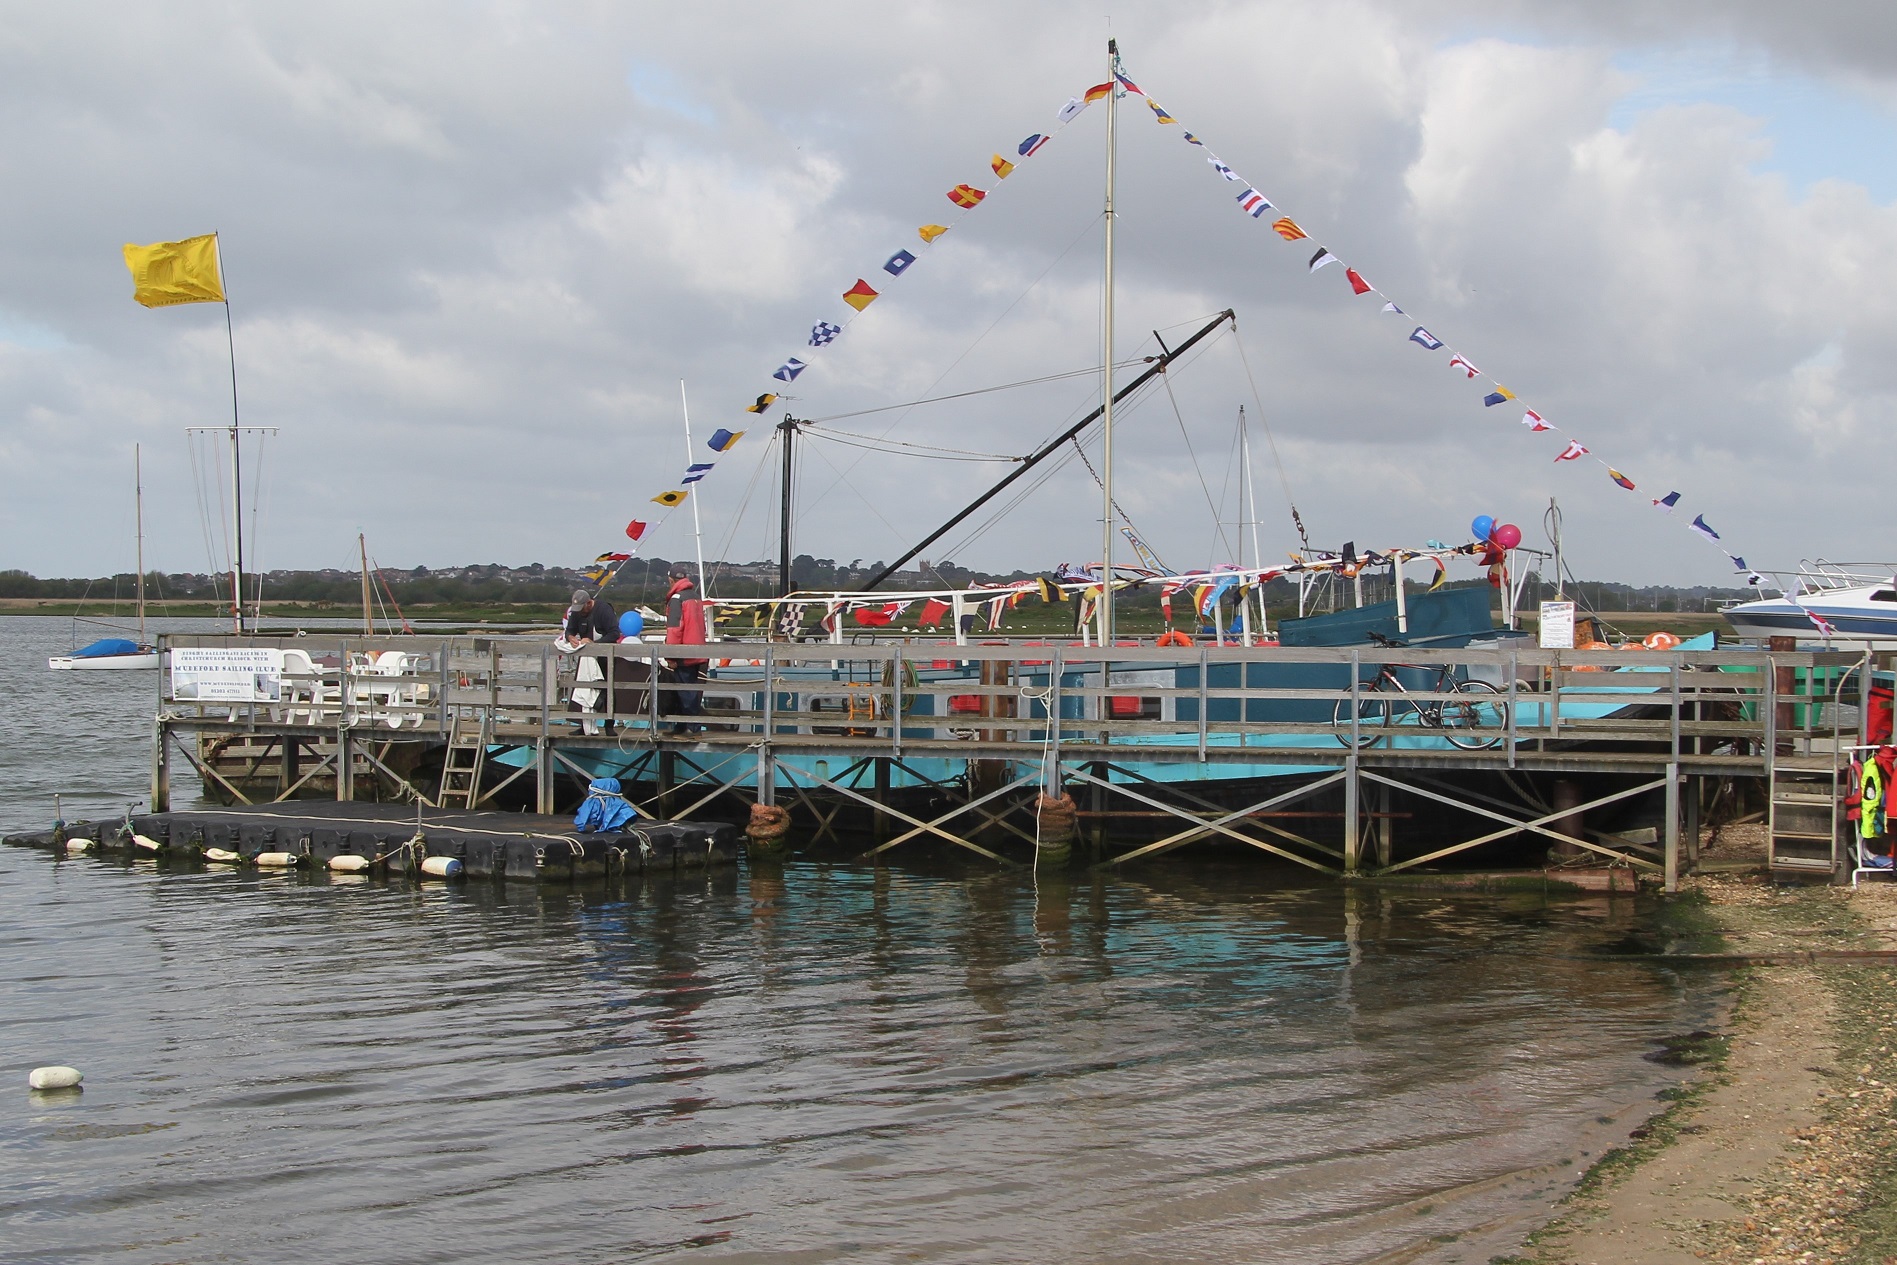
54 1078
349 864
223 856
279 860
441 867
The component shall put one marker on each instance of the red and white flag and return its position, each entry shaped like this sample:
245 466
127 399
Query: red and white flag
1532 420
1573 450
1457 362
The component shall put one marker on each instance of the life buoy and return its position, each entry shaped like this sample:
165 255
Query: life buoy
1660 641
1174 637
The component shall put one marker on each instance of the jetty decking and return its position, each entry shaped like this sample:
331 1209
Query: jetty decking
1133 731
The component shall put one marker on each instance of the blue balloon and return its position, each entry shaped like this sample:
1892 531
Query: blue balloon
1481 527
631 624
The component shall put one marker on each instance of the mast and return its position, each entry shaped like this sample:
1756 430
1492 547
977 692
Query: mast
789 428
1106 373
237 482
1046 450
138 514
368 621
1251 509
698 538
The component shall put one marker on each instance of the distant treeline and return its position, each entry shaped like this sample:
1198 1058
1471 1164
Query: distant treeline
645 580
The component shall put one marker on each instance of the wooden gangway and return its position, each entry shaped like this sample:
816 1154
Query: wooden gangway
1152 730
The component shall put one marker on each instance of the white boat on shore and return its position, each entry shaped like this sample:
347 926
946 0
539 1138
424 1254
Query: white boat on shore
1857 602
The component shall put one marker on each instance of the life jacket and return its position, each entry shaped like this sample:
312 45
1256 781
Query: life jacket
605 809
1871 788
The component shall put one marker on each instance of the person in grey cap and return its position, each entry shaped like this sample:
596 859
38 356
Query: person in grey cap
591 619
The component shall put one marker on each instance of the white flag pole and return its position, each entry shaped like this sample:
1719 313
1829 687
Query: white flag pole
698 539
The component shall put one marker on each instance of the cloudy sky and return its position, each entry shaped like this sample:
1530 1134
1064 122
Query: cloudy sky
473 249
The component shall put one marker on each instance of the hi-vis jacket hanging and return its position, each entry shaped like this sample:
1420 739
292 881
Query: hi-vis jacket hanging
1871 790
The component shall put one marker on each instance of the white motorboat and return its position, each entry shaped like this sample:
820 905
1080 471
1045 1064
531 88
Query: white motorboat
1858 604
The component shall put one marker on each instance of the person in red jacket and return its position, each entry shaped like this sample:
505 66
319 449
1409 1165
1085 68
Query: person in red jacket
685 626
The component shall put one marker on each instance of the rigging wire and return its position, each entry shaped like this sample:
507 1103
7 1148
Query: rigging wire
1271 441
200 485
1218 520
744 502
1085 231
927 451
256 509
963 395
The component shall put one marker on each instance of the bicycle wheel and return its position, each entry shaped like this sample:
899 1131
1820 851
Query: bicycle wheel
1374 711
1475 718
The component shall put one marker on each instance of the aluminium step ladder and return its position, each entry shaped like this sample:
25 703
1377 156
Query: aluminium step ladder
1805 814
463 761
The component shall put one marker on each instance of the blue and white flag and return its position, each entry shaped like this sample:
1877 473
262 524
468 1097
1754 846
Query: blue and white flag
1423 338
823 332
1221 168
790 369
697 470
1666 503
897 262
1700 525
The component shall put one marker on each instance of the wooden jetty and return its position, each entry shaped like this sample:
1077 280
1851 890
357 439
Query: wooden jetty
980 745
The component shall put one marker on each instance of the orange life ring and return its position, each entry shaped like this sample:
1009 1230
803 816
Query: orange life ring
1660 641
1174 637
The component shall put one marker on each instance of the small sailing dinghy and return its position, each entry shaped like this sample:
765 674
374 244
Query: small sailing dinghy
109 654
119 654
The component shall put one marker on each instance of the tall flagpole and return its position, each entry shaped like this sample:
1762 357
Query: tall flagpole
698 539
237 482
1106 338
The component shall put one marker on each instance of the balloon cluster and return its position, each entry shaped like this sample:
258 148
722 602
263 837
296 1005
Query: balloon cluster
1500 535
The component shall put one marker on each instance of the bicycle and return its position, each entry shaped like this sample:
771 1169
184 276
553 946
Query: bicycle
1383 700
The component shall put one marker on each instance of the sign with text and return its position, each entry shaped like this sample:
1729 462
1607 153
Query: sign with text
1557 626
220 674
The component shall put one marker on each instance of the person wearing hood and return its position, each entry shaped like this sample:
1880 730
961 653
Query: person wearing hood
685 626
606 808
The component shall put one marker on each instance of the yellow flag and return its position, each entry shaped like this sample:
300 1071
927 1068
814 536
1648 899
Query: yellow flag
674 497
929 232
168 273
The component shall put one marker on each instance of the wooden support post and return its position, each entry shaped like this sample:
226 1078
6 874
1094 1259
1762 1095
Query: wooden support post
160 767
668 778
292 763
1383 824
1692 823
1784 685
1567 794
1672 828
345 765
1353 840
880 828
543 776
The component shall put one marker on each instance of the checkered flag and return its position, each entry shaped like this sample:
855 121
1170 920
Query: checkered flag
824 332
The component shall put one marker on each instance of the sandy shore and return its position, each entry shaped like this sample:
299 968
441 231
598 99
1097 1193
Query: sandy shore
1784 1149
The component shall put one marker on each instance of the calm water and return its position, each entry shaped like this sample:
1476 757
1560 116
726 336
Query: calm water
1197 1062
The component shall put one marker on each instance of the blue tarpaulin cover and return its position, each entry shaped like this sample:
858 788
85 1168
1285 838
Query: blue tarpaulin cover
109 646
605 807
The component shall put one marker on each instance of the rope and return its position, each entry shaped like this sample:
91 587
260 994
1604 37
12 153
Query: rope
1270 440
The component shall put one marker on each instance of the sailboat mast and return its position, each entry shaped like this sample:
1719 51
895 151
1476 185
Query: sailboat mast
368 620
784 578
237 481
1106 339
138 516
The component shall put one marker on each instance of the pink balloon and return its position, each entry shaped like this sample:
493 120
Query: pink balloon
1507 535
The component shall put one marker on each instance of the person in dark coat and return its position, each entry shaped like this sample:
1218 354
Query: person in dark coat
591 619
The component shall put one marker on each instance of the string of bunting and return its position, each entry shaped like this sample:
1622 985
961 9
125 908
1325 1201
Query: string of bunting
1255 204
831 327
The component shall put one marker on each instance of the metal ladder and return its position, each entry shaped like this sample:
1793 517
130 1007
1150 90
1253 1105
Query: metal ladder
462 762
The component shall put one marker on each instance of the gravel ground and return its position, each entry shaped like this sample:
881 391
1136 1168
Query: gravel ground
1721 1177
